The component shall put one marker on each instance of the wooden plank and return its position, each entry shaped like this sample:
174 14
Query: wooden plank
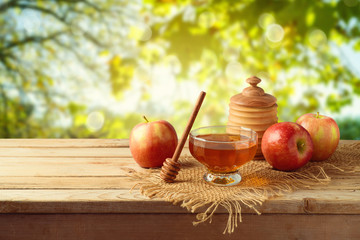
65 166
69 152
67 143
89 166
119 179
122 200
107 182
175 226
65 152
55 167
76 179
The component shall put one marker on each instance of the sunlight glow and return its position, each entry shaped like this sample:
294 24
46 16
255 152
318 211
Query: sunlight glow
317 38
95 121
206 19
173 63
141 33
234 70
146 34
189 14
274 33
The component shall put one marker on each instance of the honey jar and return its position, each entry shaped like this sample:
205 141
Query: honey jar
255 109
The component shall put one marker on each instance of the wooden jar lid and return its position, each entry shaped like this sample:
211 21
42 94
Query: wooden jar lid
255 109
253 96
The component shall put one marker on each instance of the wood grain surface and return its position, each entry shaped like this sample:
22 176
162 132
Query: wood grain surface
176 226
69 185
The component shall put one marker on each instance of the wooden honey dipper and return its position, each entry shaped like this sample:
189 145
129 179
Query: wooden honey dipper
170 167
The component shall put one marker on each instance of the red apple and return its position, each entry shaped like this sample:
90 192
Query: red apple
286 146
152 142
324 133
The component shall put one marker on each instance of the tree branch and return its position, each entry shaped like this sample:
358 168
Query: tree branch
34 39
43 10
93 39
94 6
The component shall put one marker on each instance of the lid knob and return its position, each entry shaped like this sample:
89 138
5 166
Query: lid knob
253 90
253 81
253 96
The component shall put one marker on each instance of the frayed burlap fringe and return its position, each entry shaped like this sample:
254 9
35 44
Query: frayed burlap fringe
259 183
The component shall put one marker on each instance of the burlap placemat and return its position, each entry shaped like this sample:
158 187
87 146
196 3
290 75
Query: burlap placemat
259 183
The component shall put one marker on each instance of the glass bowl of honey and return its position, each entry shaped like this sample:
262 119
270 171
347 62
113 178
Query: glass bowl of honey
223 150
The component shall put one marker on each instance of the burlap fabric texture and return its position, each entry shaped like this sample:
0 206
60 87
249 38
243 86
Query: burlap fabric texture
259 183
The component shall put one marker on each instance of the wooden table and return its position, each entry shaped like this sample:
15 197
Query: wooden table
77 189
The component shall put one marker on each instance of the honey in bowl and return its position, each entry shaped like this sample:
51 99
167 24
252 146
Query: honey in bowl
222 152
218 155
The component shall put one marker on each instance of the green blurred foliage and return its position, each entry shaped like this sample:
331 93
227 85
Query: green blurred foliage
349 128
215 45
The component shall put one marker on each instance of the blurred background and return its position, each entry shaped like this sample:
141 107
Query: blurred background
91 69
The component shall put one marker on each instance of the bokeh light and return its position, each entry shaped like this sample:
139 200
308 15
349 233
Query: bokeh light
274 33
317 38
95 121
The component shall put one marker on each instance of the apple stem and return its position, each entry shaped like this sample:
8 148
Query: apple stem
317 115
145 118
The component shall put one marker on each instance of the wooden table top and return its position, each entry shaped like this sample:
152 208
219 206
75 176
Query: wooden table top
88 176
